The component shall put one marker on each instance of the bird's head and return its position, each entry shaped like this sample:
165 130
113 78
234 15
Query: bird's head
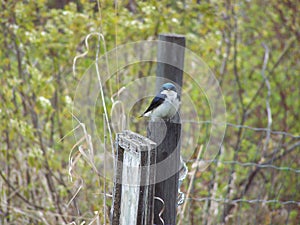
168 87
169 90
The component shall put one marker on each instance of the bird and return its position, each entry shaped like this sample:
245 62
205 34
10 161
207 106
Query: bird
165 104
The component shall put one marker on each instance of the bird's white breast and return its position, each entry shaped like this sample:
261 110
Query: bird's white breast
169 107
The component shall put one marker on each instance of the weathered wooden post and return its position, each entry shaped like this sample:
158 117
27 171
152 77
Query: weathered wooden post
133 194
142 165
170 68
170 59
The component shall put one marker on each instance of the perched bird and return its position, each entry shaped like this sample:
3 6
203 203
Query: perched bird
165 104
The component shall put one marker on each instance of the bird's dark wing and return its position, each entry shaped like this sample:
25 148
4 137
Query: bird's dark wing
157 101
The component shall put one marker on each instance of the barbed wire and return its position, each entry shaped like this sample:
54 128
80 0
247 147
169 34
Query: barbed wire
249 164
261 129
250 201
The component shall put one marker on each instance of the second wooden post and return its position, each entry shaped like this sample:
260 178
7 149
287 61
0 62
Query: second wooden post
170 62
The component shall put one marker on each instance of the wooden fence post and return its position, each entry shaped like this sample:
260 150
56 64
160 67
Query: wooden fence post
170 68
134 180
170 59
141 163
167 168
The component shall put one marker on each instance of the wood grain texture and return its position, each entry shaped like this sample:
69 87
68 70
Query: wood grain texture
168 165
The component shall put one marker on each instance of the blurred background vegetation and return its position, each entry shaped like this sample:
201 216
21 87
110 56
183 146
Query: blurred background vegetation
39 40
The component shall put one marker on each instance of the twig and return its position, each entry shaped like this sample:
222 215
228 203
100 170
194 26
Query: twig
269 112
104 183
19 195
190 185
285 51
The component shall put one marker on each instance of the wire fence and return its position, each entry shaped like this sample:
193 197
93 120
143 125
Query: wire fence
250 201
259 129
262 189
251 164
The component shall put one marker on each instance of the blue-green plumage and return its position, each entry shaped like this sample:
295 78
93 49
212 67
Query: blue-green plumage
165 104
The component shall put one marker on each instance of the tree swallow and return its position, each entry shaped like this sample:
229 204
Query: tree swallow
165 104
